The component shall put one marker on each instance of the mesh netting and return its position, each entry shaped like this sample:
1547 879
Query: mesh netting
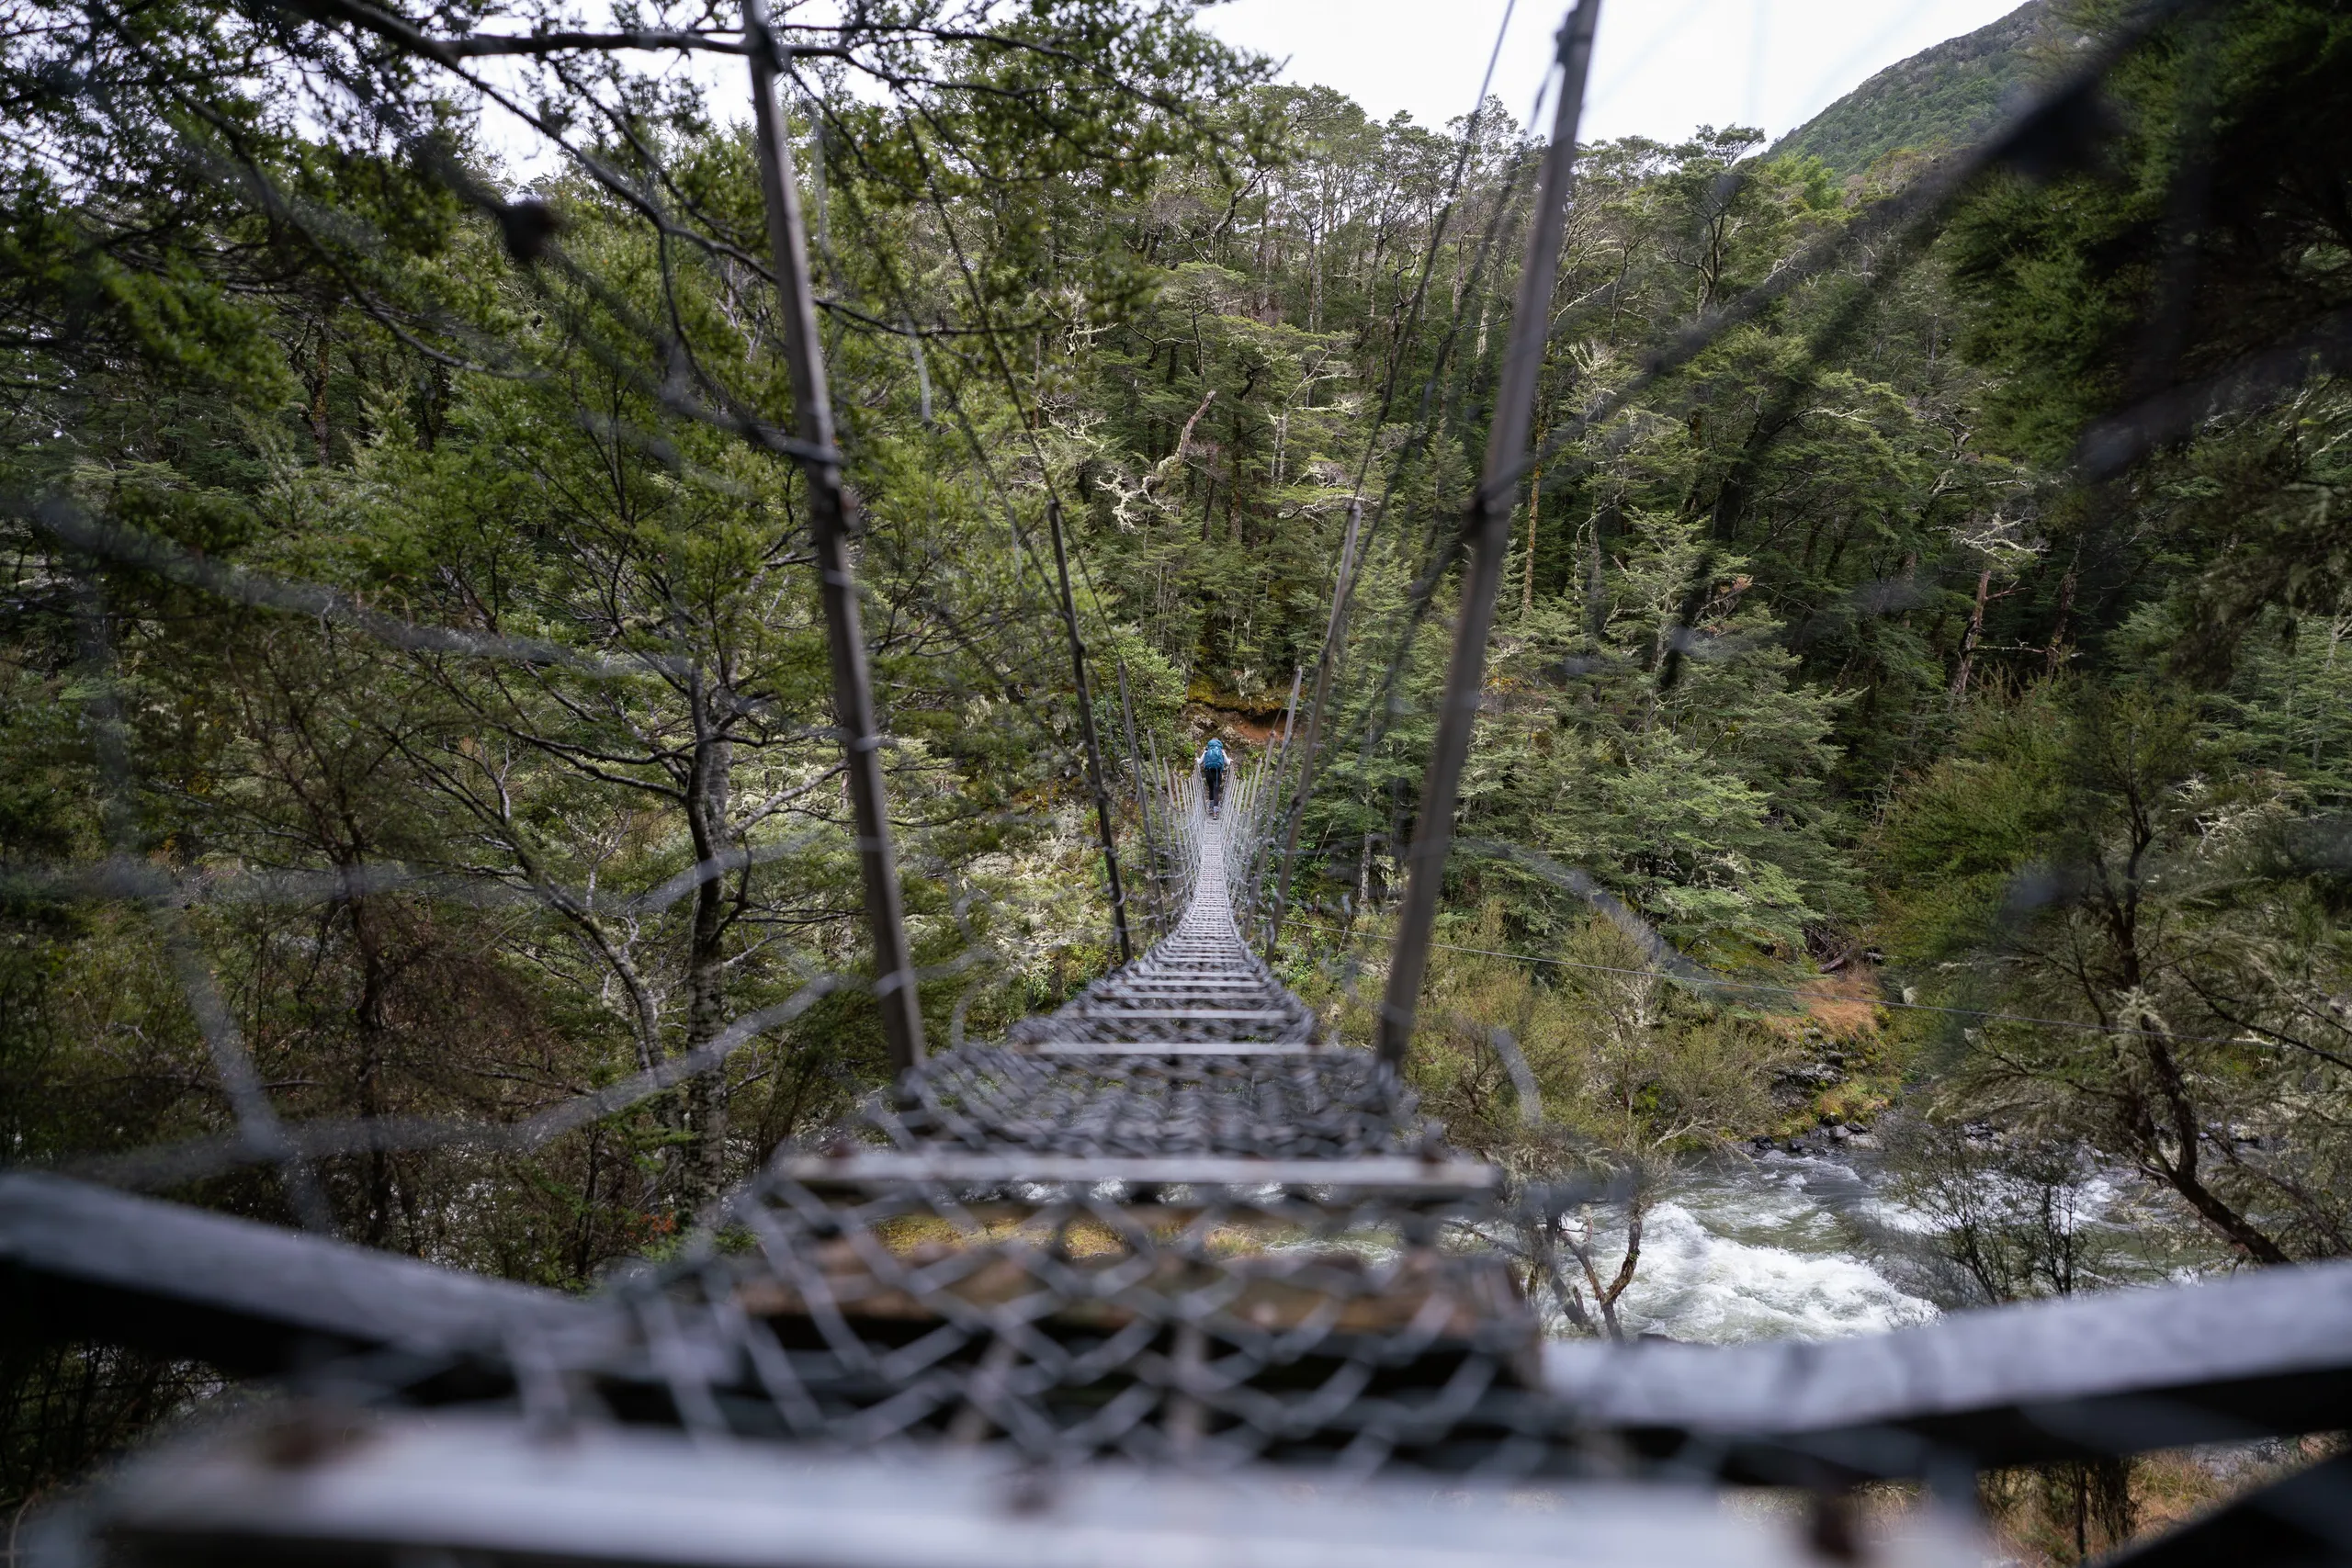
1186 1323
1162 1225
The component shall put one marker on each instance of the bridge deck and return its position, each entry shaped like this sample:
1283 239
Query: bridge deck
1195 1051
1166 1224
1201 991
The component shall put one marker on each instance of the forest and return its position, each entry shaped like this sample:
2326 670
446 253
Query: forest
1918 722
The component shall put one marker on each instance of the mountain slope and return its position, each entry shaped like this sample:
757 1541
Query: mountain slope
1943 96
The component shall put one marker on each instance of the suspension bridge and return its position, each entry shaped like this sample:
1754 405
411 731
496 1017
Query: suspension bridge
1168 1275
1164 1277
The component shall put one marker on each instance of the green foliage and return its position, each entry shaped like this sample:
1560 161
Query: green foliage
255 317
2106 857
1627 1076
1705 805
2096 294
1942 97
1629 1070
1806 647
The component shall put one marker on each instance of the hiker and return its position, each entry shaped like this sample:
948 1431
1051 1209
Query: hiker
1213 772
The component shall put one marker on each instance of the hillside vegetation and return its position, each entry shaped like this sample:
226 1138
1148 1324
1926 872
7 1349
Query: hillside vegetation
1940 98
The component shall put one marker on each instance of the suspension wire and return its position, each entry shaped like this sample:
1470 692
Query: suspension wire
1491 515
829 527
1437 237
1712 982
1438 543
1444 370
1428 423
299 1143
1087 728
1898 213
1093 747
1331 652
988 332
1323 674
901 300
1154 910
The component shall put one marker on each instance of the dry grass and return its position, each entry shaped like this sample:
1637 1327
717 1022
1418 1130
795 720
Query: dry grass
2033 1512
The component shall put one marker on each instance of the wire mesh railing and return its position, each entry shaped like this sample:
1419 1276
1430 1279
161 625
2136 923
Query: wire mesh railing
1168 1228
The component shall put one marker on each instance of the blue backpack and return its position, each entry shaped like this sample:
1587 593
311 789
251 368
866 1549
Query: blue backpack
1212 761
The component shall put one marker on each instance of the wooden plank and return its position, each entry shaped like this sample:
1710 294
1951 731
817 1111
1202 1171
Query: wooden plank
1098 1012
491 1490
1145 1048
1447 1302
2265 1353
1370 1176
84 1262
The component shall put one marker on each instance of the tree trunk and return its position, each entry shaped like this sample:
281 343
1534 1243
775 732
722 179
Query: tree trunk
2234 1227
1534 511
374 1031
2180 1171
2057 657
320 433
1595 600
1363 874
1314 277
702 1164
1969 639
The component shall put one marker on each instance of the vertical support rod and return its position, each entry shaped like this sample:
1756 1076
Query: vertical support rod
1290 718
1489 526
1086 727
1270 779
829 527
1156 907
1161 781
1325 664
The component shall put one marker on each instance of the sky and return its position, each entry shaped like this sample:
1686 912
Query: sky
1660 67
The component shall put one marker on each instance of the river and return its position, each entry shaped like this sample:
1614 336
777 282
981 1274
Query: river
1774 1248
1802 1245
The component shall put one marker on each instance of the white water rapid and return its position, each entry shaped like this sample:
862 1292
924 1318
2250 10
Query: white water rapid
1763 1249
